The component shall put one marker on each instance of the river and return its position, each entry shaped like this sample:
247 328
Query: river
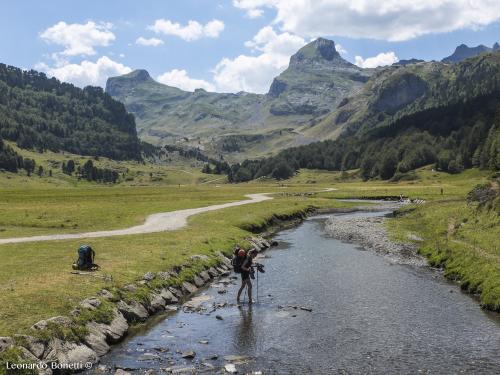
368 315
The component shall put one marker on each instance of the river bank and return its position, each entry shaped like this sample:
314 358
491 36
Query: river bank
98 322
324 307
369 231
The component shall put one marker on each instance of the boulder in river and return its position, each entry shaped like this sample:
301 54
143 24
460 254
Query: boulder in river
189 354
230 368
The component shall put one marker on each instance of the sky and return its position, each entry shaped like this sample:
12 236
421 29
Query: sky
230 45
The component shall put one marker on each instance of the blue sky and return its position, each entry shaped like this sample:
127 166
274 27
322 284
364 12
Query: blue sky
230 45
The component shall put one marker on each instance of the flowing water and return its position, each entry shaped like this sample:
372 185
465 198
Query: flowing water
368 316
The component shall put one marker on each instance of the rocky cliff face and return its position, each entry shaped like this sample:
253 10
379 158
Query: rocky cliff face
316 80
398 93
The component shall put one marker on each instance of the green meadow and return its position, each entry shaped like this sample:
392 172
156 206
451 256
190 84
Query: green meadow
36 280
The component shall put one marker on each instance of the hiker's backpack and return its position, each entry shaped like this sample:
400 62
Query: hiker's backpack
239 257
85 257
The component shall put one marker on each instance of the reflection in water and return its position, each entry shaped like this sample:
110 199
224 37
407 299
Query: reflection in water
245 336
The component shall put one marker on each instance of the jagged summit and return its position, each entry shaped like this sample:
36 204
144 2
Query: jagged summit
463 52
321 51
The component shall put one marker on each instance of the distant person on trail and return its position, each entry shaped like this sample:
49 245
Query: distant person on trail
246 269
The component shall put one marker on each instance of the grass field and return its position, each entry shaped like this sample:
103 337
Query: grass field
35 278
462 239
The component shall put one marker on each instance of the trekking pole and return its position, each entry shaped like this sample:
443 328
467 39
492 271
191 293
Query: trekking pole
257 286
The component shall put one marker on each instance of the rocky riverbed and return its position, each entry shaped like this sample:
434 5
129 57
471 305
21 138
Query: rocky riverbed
371 234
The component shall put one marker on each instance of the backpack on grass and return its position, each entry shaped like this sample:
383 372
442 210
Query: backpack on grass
86 257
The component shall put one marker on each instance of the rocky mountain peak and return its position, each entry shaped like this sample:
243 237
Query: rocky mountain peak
496 47
463 52
321 51
139 75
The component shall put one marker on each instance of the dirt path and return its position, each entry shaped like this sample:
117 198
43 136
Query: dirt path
160 222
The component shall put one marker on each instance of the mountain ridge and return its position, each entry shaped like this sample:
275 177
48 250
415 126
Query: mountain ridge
226 124
463 52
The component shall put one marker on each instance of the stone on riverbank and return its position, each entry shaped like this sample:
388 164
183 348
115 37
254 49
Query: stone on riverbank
35 345
63 321
189 288
198 281
133 312
96 339
69 352
113 331
90 303
157 303
168 296
176 292
5 343
371 233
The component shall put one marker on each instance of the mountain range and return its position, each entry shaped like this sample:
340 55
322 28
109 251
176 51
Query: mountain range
312 100
243 124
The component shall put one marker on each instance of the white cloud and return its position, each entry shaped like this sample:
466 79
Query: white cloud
87 72
340 49
180 79
255 73
192 31
394 20
79 39
213 28
154 42
382 59
252 8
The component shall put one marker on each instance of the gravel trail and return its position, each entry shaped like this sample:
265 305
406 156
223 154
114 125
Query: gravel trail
160 222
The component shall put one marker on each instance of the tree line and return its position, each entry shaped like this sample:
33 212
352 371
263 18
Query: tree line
11 161
90 172
42 113
452 137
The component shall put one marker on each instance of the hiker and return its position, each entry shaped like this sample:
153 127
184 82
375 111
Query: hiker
246 270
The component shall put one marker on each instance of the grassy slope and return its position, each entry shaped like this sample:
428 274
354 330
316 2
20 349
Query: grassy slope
461 238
